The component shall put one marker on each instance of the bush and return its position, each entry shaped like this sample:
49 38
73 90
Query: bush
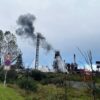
27 84
1 74
12 76
38 75
97 92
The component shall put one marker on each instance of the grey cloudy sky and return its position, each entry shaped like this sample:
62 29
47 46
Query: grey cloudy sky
67 24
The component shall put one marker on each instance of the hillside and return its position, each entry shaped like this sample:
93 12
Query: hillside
36 85
7 93
44 92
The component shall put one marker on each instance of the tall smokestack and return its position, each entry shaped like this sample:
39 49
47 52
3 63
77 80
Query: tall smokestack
75 64
37 52
74 58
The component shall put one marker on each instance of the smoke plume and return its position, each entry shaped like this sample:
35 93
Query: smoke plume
26 30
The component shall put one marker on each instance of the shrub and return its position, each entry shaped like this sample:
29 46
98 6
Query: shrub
27 84
38 75
1 74
12 76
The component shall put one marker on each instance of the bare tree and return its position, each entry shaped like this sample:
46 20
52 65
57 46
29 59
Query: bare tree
89 60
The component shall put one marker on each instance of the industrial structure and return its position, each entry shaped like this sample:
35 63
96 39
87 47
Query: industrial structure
37 51
59 65
39 41
75 64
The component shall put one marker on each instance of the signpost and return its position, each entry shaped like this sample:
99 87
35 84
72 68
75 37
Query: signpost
7 61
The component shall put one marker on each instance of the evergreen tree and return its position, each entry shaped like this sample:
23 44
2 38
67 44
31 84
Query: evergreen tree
19 63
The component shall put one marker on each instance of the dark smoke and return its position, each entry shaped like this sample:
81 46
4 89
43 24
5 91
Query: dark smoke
26 29
44 43
26 25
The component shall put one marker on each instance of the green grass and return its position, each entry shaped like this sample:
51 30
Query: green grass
51 92
44 92
7 93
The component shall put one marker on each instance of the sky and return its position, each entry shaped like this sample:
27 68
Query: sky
66 24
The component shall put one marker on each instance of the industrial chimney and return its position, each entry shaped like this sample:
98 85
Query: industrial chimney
75 64
37 51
